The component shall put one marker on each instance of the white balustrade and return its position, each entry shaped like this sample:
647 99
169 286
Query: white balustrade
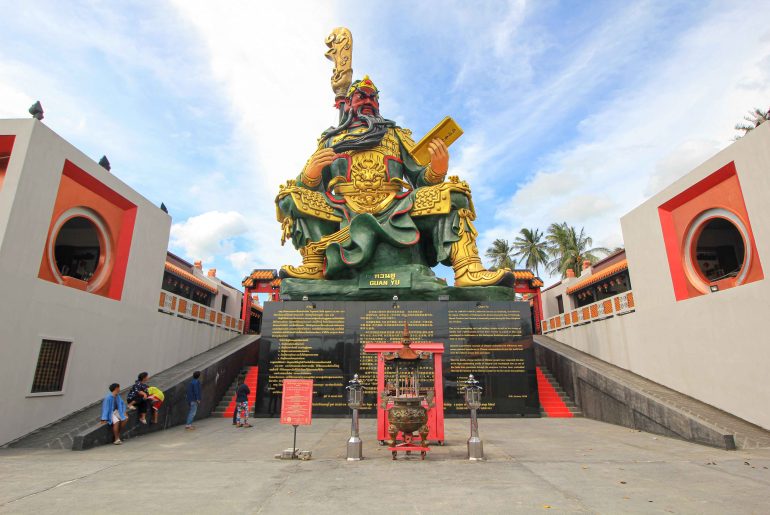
620 304
189 310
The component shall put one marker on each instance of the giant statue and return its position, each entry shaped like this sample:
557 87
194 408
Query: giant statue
364 202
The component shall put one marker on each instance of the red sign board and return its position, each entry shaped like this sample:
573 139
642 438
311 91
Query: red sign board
297 402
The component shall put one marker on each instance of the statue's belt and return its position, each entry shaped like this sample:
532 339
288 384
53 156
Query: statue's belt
372 199
428 200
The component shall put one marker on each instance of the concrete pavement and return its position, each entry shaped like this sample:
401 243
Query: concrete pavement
533 465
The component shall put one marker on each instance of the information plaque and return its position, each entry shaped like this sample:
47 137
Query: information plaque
297 402
324 341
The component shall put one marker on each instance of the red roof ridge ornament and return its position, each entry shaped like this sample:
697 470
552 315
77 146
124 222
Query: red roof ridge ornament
405 352
406 341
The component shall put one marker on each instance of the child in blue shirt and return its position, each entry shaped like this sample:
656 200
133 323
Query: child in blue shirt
114 412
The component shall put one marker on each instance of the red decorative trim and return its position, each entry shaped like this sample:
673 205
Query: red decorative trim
416 240
402 211
6 144
125 231
6 148
674 241
342 256
701 187
122 249
409 208
671 242
329 196
390 158
92 183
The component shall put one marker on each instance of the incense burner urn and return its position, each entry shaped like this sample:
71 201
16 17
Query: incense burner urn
408 415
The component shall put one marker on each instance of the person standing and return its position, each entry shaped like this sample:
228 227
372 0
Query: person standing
193 398
242 405
114 412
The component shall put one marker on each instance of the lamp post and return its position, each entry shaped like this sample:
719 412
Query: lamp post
473 400
355 397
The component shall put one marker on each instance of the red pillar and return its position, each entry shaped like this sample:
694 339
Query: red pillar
538 312
246 309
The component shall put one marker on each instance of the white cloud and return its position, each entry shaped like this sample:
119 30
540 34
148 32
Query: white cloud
14 102
209 234
241 260
686 156
659 127
271 69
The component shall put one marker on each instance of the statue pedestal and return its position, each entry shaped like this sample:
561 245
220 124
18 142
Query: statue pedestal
407 282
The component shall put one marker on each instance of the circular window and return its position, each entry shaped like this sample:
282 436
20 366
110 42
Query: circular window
717 248
80 248
77 249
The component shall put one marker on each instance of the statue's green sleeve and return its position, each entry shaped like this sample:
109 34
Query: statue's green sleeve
412 170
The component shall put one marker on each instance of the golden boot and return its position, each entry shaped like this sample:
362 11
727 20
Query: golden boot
313 255
466 261
312 266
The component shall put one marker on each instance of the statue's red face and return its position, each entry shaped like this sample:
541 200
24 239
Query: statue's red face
365 99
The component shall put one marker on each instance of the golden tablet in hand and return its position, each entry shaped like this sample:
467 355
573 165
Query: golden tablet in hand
447 130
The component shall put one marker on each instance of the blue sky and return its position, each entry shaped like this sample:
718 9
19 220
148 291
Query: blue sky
572 111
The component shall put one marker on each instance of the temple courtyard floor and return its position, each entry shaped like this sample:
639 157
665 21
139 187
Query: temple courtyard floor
532 465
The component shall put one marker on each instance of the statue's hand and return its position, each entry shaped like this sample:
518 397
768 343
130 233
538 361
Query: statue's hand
318 161
439 156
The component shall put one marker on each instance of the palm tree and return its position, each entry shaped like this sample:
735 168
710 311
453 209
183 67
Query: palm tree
568 249
531 250
501 254
756 117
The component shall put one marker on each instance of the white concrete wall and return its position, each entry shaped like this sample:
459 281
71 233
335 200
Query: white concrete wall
234 300
112 340
551 304
714 347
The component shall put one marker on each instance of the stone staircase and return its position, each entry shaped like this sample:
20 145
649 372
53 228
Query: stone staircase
81 429
554 401
226 405
611 394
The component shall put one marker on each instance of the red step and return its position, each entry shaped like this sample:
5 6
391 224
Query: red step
549 398
251 381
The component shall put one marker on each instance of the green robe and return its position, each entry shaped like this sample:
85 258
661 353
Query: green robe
429 238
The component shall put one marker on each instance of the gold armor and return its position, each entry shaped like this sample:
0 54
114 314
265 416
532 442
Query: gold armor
466 262
369 188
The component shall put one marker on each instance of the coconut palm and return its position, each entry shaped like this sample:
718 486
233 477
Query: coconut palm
568 249
756 117
531 249
501 254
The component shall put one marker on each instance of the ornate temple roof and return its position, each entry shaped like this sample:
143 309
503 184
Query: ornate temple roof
187 276
598 276
259 274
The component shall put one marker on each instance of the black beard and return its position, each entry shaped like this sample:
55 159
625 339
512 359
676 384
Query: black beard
376 125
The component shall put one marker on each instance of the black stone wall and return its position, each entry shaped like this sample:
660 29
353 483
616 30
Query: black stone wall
324 341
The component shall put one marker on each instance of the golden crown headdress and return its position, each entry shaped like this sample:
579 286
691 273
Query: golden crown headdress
366 82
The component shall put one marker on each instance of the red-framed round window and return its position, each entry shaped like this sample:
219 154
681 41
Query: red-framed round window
717 249
80 247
